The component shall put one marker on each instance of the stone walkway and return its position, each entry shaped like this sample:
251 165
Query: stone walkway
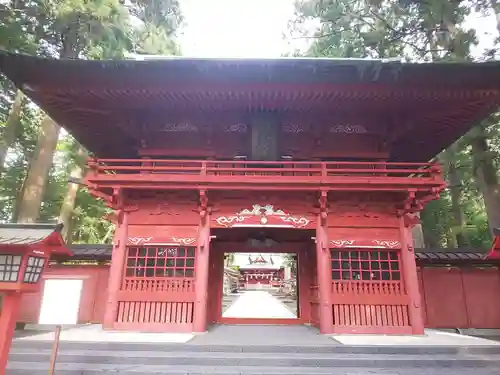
274 335
95 333
258 304
430 338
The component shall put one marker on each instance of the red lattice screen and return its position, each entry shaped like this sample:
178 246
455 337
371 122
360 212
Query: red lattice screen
160 262
367 291
158 287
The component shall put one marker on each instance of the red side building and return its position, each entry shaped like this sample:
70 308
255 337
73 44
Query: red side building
328 158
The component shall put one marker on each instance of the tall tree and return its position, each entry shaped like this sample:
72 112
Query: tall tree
483 156
72 29
411 29
159 21
8 135
15 36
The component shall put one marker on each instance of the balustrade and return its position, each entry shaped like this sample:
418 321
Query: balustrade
263 168
251 173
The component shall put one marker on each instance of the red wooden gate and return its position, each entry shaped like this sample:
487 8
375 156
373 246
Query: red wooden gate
157 290
368 293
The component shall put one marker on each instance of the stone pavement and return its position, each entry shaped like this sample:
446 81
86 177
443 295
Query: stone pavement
254 349
95 333
430 338
258 304
32 358
272 335
245 350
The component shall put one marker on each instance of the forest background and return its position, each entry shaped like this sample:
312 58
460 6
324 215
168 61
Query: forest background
38 159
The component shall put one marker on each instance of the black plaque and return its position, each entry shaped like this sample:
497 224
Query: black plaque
265 138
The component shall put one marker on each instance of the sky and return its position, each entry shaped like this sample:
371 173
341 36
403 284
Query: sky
235 28
255 28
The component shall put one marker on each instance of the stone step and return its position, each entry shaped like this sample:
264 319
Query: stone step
20 346
22 358
32 358
84 369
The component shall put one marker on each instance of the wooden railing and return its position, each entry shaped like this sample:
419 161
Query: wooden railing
367 288
370 306
156 303
163 284
289 169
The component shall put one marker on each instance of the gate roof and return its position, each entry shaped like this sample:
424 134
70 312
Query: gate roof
109 106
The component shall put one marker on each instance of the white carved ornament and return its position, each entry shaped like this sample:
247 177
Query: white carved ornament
138 241
293 128
236 128
380 244
180 127
227 221
264 212
387 244
348 129
184 240
342 243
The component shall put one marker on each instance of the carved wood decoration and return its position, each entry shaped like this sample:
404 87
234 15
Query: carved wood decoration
364 212
294 128
165 209
141 235
263 216
236 128
365 243
180 127
348 129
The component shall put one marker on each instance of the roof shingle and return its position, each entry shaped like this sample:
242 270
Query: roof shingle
26 234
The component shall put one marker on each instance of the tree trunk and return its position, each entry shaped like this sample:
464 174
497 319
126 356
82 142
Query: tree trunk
38 173
418 236
68 206
9 133
430 240
495 5
486 175
455 185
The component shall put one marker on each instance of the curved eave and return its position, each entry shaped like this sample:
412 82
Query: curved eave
101 103
24 69
33 235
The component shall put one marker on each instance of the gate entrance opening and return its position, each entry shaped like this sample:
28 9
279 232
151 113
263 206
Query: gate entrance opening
260 275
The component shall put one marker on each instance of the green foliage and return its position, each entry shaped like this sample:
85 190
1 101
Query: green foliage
18 161
102 29
158 23
415 31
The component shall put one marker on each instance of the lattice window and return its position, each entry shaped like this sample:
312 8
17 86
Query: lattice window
33 270
365 265
160 262
9 267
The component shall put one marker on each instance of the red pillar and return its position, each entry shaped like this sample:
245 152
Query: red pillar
118 258
215 280
8 316
324 279
201 277
410 278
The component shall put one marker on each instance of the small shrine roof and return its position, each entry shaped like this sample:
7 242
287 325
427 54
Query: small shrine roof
107 105
15 234
92 251
26 234
445 255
